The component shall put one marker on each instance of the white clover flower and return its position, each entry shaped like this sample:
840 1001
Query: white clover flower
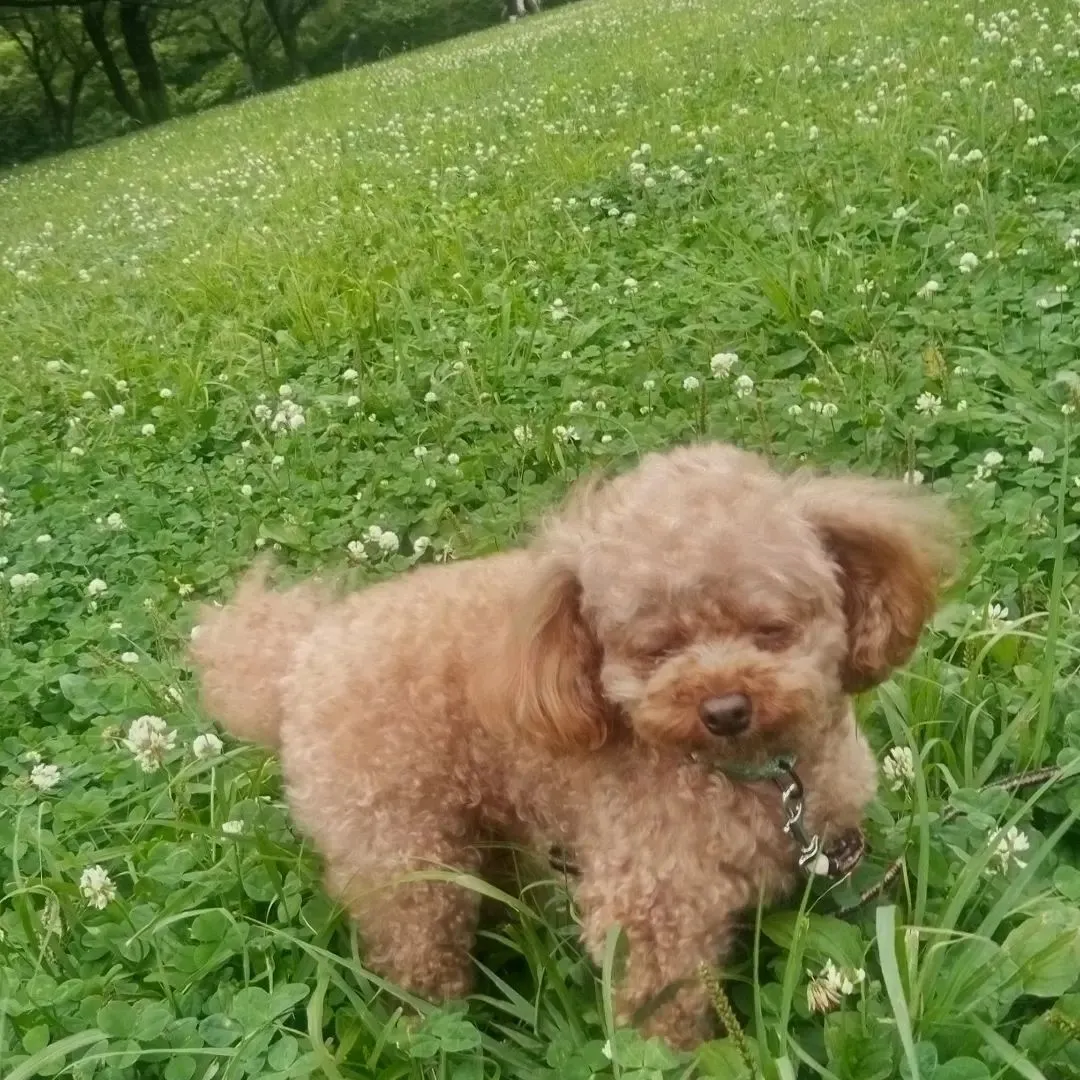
352 401
899 767
129 657
523 434
992 459
207 746
794 410
453 459
232 828
997 615
45 777
744 386
829 409
350 375
1036 455
88 395
649 385
430 398
116 410
388 541
23 581
373 532
149 739
723 363
114 521
913 477
962 405
973 157
558 310
961 209
630 285
246 490
262 412
289 416
928 289
900 213
53 366
356 550
44 538
146 429
96 587
165 393
968 262
276 461
420 545
97 887
78 451
1008 850
285 391
826 990
691 383
928 404
816 317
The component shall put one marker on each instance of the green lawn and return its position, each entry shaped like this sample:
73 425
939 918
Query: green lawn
476 272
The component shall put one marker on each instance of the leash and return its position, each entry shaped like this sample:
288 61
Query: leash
843 856
835 862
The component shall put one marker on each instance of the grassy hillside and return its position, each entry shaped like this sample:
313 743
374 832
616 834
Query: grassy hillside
830 231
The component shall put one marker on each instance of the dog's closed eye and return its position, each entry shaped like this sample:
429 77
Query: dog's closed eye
774 636
654 649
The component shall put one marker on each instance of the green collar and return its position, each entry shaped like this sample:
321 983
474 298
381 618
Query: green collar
777 768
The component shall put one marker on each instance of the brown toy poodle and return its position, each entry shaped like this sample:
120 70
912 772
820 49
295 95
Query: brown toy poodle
610 690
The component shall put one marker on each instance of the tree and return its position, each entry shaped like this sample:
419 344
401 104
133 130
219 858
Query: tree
55 48
135 28
93 20
286 16
242 27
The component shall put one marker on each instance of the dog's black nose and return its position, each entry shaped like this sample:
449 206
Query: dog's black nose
727 715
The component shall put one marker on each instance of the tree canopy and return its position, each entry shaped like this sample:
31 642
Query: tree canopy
75 71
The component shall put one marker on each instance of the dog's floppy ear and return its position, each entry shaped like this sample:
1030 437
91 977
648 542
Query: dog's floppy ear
554 665
893 548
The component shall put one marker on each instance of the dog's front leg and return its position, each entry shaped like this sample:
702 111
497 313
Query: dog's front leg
669 933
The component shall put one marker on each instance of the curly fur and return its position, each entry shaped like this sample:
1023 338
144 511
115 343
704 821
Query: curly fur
551 695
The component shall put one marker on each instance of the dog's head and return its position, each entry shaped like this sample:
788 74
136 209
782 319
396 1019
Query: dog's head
706 601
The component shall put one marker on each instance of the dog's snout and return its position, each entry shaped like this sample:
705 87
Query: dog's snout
726 715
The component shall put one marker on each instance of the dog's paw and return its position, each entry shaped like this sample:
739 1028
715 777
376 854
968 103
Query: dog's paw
843 855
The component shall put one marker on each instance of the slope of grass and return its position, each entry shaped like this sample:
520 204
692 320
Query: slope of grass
421 298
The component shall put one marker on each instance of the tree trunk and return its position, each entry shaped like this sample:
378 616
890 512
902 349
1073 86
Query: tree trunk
78 77
248 51
140 47
93 20
286 32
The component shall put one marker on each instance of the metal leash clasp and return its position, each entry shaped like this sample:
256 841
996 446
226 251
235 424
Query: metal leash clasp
791 798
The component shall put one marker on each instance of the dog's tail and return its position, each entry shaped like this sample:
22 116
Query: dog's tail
242 650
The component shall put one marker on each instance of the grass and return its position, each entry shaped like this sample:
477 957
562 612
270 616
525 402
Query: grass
476 272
